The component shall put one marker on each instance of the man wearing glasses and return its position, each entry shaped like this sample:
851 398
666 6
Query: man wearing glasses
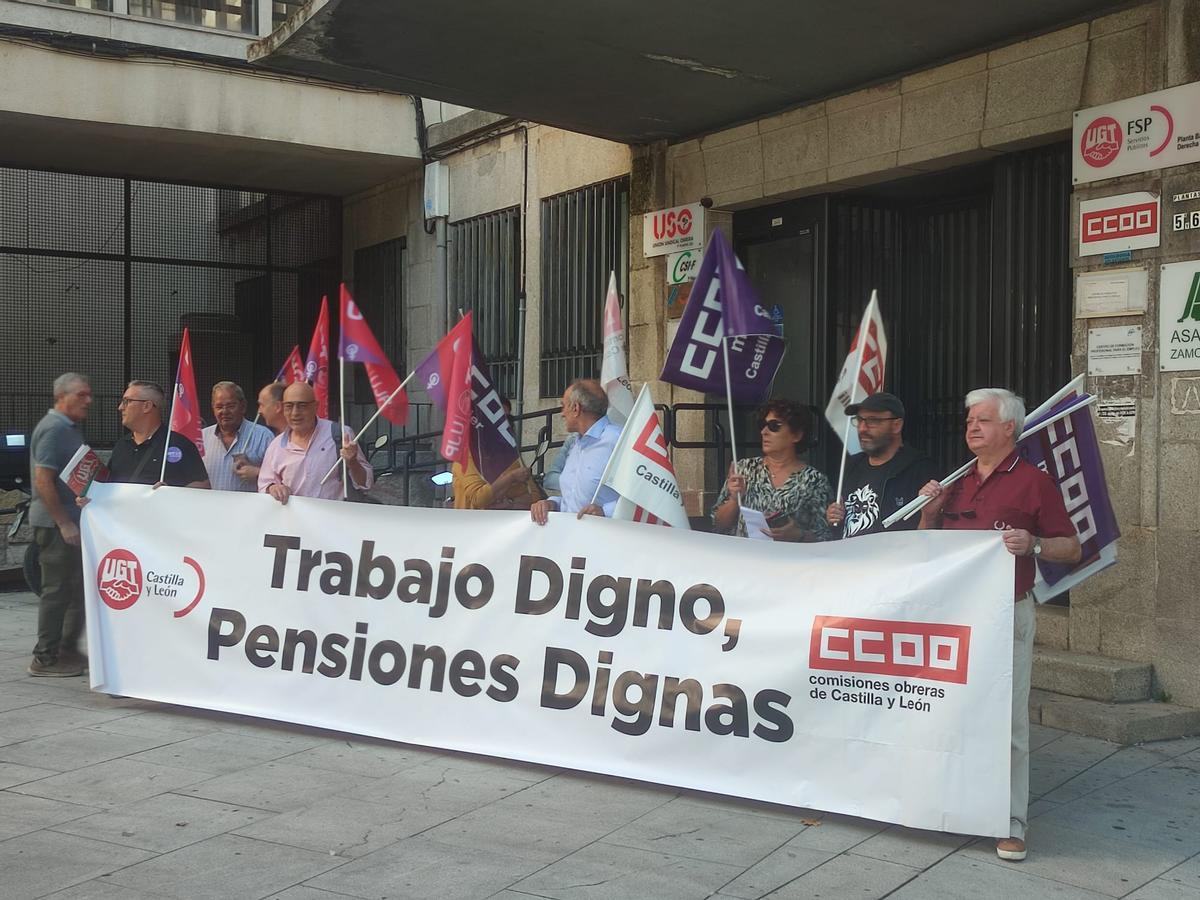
885 476
137 457
234 447
1009 494
302 453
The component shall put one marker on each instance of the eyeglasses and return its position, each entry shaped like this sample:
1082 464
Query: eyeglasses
772 425
298 404
871 421
125 401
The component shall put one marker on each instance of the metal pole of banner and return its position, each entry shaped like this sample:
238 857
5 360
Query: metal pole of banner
342 412
918 503
162 476
729 404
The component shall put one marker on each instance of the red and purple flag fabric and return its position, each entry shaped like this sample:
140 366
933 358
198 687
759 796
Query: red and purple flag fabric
185 406
316 368
456 377
1069 452
724 305
292 369
357 344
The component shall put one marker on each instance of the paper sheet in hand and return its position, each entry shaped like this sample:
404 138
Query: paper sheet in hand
757 528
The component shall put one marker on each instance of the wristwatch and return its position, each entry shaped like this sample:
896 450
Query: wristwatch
1037 546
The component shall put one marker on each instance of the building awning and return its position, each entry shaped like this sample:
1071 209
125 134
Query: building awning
637 71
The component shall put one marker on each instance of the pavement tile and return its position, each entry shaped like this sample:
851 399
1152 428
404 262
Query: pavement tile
75 749
362 756
303 892
423 868
835 833
1122 764
1112 866
1186 873
609 802
513 768
544 838
112 783
101 890
911 846
348 827
38 863
20 814
12 774
682 829
30 722
1041 735
223 867
440 784
774 871
1164 890
1170 826
163 823
170 722
218 752
1062 760
845 876
276 786
960 876
603 871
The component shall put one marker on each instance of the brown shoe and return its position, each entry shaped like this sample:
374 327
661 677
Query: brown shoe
73 657
57 669
1011 848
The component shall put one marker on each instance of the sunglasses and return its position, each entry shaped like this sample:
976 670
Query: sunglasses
772 425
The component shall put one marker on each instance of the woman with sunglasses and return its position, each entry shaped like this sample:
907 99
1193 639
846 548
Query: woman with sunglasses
788 491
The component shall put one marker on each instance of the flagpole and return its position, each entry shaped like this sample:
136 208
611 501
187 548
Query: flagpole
162 476
611 456
361 431
729 403
918 503
342 405
863 328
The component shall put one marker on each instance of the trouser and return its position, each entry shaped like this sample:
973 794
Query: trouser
60 613
1024 626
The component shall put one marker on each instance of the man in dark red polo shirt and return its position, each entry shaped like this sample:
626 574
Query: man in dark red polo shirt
1011 495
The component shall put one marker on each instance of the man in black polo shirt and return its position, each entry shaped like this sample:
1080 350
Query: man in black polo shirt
885 476
137 457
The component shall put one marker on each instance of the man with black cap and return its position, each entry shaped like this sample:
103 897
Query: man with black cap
885 476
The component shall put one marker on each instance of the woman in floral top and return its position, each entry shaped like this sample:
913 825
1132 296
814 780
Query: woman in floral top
788 491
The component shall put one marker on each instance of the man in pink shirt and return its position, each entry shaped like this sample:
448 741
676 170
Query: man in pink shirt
302 453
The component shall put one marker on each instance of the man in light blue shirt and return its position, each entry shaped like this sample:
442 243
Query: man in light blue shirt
584 408
234 447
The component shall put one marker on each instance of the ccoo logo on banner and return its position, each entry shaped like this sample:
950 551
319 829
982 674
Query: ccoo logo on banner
649 653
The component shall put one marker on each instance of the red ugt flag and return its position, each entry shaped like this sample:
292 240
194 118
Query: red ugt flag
357 344
316 368
185 410
292 369
446 374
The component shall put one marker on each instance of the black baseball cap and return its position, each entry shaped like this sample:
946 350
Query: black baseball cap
881 402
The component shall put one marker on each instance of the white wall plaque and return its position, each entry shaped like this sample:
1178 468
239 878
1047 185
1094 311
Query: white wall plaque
1111 292
1115 351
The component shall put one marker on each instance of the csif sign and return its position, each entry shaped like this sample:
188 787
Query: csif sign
670 230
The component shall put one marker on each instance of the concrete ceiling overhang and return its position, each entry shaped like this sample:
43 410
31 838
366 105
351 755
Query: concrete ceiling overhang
642 70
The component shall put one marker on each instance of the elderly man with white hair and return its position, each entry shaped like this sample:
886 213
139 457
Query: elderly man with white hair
1009 494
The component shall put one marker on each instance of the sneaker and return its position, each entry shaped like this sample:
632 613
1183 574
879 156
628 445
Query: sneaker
57 669
1012 849
73 657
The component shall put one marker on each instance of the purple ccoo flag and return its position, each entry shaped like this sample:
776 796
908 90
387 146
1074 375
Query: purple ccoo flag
723 304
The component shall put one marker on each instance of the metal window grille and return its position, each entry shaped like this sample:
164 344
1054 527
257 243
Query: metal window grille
378 291
485 266
585 236
100 275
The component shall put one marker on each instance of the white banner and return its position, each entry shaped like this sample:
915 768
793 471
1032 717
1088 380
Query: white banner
870 677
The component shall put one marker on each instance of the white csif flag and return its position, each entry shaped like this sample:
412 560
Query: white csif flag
862 374
614 373
641 472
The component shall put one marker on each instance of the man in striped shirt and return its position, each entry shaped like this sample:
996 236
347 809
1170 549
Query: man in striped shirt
234 445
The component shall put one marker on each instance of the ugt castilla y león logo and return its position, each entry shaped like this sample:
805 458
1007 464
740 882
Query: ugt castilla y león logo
119 579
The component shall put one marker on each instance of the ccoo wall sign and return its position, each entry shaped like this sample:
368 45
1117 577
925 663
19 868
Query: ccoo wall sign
669 230
1142 134
1121 222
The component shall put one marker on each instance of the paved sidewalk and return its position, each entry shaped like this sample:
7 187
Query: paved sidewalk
104 798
